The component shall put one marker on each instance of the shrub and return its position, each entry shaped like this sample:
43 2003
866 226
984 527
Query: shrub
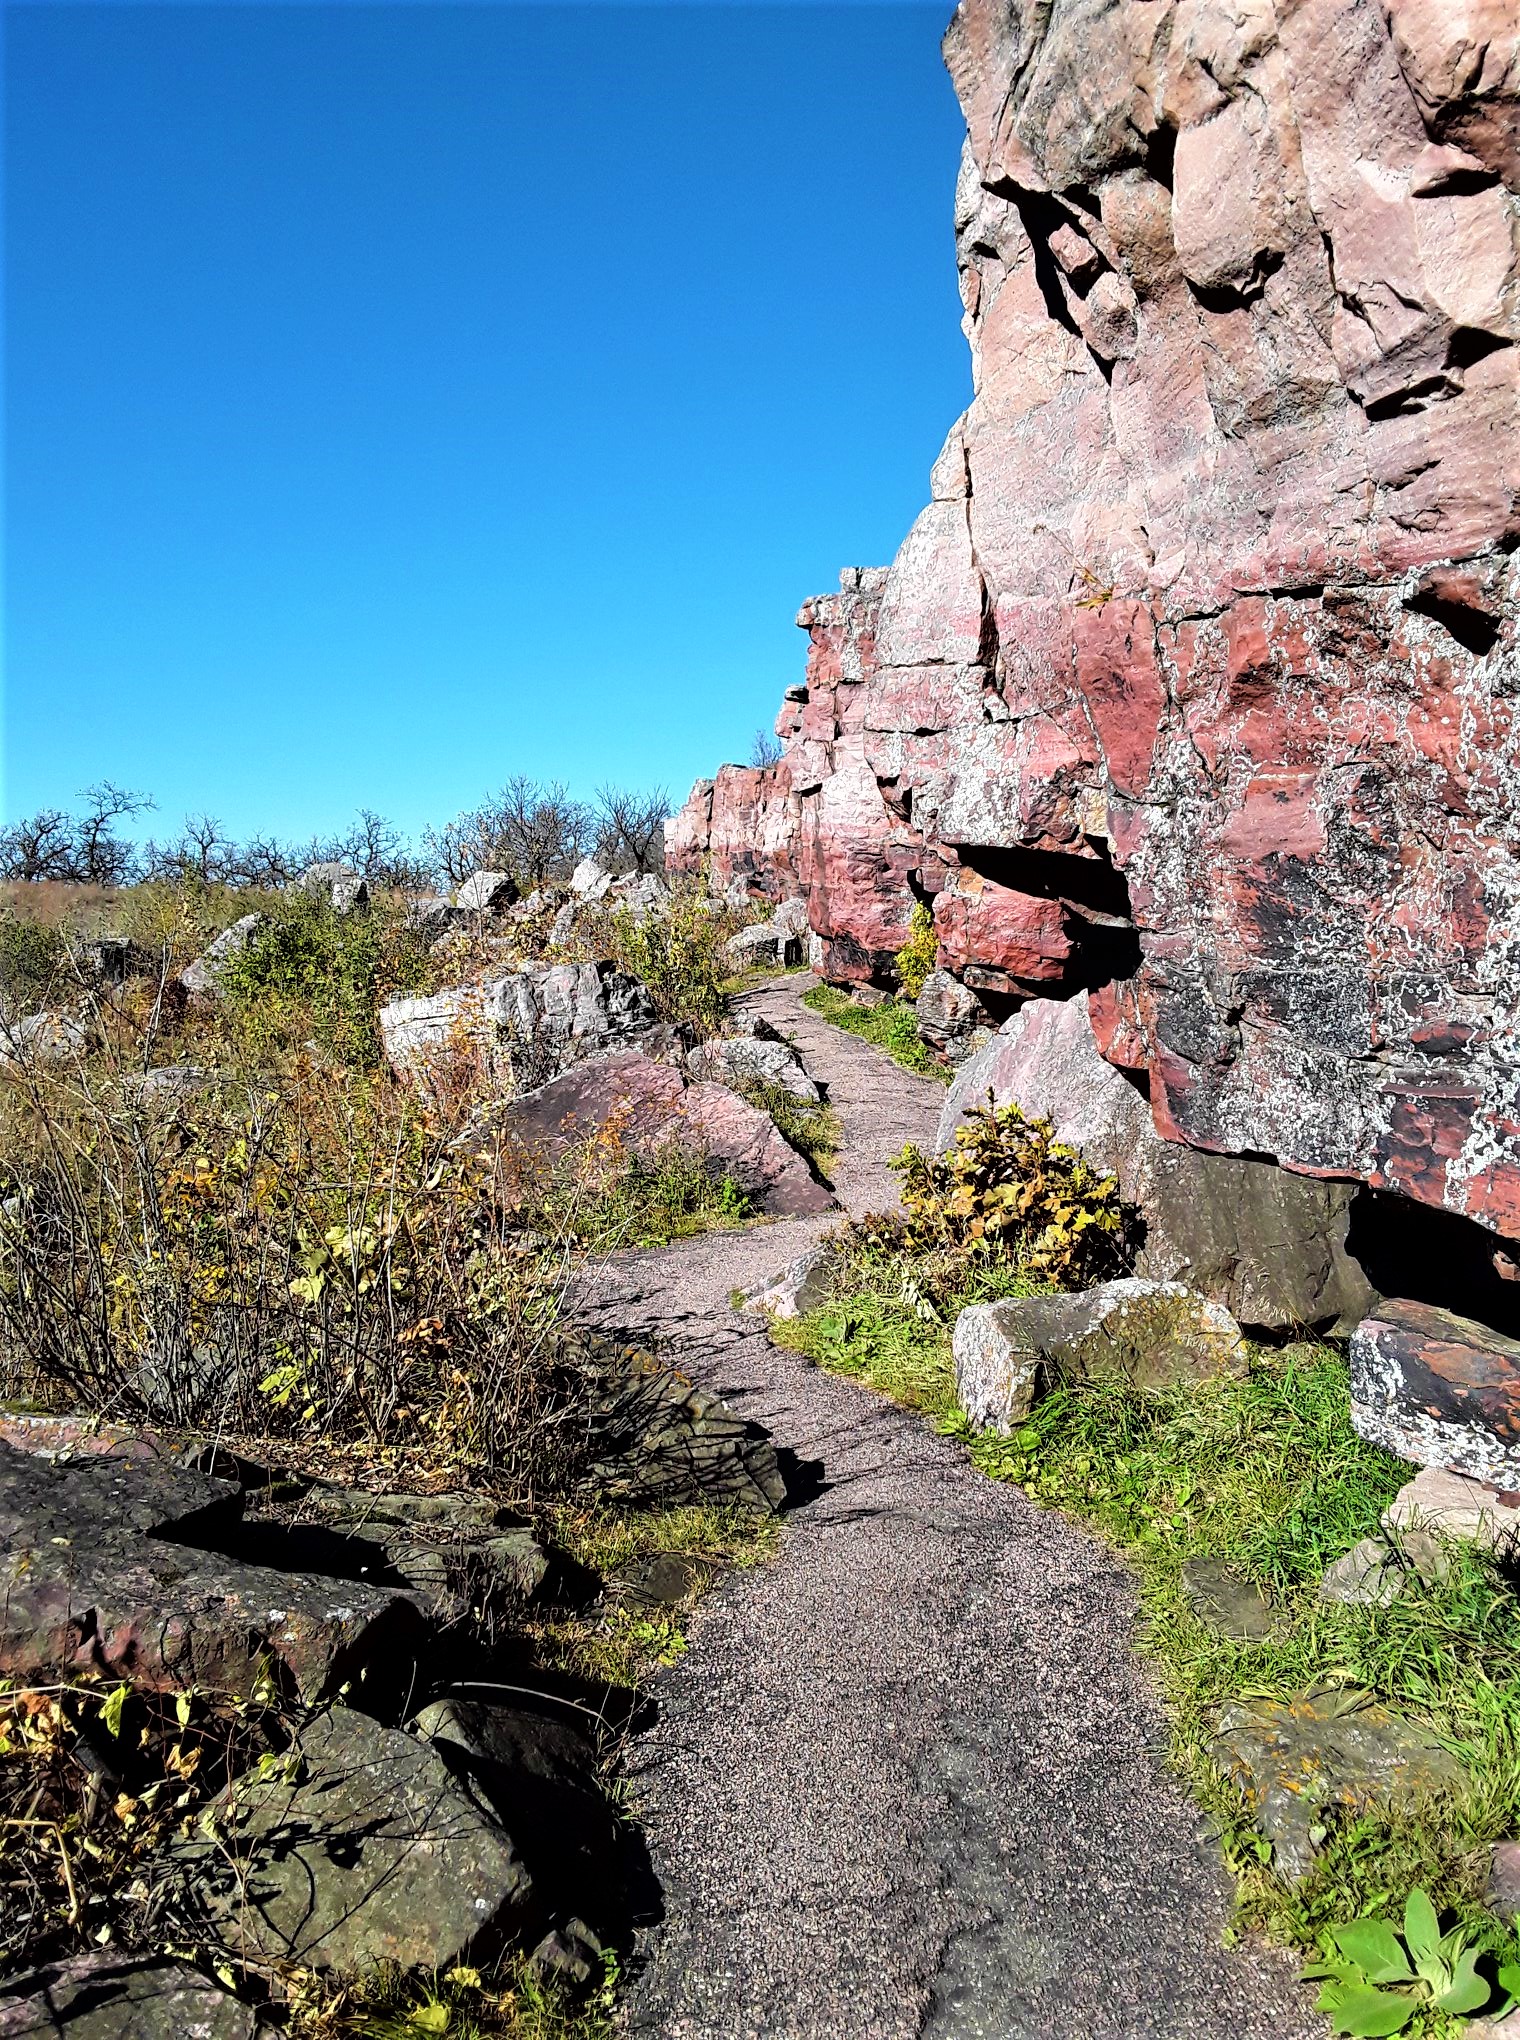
680 952
33 956
313 973
918 954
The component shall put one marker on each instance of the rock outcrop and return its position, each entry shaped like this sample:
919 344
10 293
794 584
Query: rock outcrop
1194 684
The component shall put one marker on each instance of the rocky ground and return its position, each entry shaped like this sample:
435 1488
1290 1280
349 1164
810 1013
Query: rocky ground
906 1781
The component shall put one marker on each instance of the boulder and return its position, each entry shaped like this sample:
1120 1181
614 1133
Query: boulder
336 883
201 978
361 1848
653 1105
515 1030
590 879
802 1285
1439 1389
1369 1575
99 1571
486 892
110 1996
42 1040
108 959
738 1060
1301 1763
1440 1503
661 1441
1267 1244
460 1558
1151 1335
764 943
429 917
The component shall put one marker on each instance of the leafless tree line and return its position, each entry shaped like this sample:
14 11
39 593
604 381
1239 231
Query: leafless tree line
535 830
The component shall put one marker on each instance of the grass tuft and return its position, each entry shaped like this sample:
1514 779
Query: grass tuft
892 1026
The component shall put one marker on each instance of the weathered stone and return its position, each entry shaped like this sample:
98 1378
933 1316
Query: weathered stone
108 959
364 1850
486 892
948 1014
337 883
514 1031
98 1570
1503 1884
110 1996
42 1039
1452 1506
1300 1763
1369 1575
202 977
459 1557
1222 1601
1438 1389
801 1286
1151 1335
1267 1244
765 943
570 1956
739 1060
589 878
663 1580
652 1106
429 917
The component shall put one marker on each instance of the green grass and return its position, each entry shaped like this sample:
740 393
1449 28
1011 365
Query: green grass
812 1129
892 1026
1267 1475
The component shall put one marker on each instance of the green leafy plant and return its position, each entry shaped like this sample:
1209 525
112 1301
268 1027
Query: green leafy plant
917 956
1008 1189
679 952
1375 1979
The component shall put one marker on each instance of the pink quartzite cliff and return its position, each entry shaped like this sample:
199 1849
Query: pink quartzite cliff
1210 627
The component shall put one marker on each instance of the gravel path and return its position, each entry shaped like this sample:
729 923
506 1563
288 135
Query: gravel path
905 1781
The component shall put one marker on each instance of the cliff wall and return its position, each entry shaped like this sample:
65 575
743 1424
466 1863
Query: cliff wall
1195 682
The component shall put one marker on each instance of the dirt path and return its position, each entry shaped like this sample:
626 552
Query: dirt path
905 1781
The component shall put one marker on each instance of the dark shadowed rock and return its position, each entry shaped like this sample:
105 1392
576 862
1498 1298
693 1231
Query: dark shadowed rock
652 1105
92 1576
662 1440
486 892
359 1847
108 1996
1268 1244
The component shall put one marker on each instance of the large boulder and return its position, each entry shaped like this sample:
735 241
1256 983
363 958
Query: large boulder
486 892
1150 1335
44 1040
361 1848
741 1059
515 1030
1439 1389
651 1105
1266 1243
335 883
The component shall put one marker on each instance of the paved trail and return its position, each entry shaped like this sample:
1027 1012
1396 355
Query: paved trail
905 1782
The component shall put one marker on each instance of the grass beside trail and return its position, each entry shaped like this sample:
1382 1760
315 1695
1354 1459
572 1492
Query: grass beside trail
892 1026
1267 1475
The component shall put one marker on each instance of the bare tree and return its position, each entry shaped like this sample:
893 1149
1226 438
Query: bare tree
534 831
766 750
630 828
82 847
38 846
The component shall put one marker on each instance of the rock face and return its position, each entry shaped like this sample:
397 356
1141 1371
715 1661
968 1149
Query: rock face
1268 1244
516 1029
1194 684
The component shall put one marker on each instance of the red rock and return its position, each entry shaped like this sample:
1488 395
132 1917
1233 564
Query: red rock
646 1105
1218 585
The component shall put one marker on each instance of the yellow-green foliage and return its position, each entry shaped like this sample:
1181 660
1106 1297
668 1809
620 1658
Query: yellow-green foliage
917 956
679 952
1009 1190
316 974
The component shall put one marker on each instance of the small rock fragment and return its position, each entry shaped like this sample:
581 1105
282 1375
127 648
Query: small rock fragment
1222 1601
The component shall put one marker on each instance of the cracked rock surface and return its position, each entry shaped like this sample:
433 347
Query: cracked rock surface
907 1779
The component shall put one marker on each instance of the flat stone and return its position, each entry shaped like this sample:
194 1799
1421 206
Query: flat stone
109 1996
1302 1762
1150 1334
1439 1389
663 1580
1224 1602
1454 1506
370 1853
1369 1575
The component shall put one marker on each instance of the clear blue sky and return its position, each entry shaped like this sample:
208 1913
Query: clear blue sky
403 396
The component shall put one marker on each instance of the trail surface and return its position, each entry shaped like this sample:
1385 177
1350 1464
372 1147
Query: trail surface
906 1781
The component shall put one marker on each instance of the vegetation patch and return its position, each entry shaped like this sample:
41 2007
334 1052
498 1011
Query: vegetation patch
892 1026
916 958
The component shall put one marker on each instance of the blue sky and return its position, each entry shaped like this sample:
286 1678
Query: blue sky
403 396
